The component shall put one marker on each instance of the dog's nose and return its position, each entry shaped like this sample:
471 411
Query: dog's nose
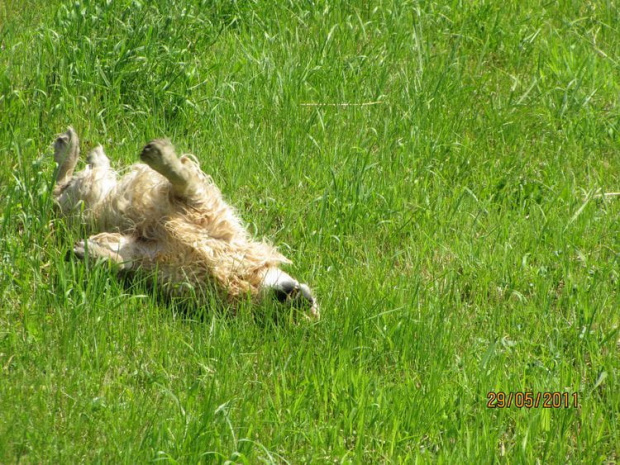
314 312
286 291
307 294
294 293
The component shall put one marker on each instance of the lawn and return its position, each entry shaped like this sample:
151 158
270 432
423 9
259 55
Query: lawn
435 170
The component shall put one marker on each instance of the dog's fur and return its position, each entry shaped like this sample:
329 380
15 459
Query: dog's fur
167 217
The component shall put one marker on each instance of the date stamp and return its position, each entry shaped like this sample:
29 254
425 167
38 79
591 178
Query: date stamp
529 399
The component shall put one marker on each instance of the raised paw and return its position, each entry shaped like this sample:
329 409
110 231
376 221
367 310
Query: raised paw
97 158
65 144
66 153
159 154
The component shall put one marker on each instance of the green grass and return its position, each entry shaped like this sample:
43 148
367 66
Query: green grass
450 231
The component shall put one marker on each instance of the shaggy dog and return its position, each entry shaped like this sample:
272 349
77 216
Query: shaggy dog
167 217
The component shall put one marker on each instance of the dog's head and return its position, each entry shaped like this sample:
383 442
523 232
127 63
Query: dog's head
290 292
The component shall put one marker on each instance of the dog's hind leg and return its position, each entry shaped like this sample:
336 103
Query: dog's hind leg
160 156
66 154
190 184
97 158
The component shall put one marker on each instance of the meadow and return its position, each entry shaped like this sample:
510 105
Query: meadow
435 170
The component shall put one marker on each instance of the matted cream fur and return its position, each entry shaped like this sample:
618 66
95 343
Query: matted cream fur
167 217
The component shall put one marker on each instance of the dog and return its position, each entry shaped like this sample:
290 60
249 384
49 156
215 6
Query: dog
167 217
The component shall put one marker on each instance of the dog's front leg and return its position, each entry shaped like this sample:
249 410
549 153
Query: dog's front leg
119 249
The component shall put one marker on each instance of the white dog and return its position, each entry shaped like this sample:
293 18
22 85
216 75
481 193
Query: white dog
167 217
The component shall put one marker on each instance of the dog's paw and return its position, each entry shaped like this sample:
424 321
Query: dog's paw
97 158
158 152
65 145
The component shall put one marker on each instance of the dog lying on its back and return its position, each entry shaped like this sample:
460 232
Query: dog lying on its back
167 217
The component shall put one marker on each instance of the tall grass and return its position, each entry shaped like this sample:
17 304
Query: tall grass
450 227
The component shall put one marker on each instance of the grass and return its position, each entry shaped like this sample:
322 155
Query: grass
451 231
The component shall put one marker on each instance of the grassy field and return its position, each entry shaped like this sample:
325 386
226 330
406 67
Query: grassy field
432 169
